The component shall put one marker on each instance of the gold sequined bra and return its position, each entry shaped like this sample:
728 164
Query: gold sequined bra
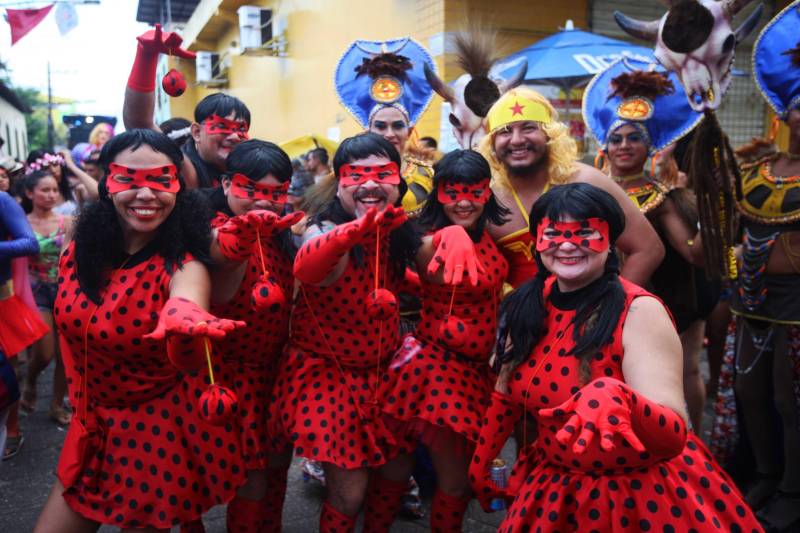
769 199
647 196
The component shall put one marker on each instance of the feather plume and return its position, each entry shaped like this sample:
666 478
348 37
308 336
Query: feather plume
475 49
384 65
643 84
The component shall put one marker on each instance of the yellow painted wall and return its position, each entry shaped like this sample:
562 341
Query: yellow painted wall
294 96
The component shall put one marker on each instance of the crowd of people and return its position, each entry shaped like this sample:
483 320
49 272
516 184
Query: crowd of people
215 308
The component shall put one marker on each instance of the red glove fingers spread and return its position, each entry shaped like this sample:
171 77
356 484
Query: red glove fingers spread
317 258
498 424
609 407
152 43
456 252
237 236
391 218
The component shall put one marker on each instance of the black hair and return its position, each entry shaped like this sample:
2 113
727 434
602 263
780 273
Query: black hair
221 105
255 158
98 235
29 183
404 241
63 183
461 166
523 312
177 129
321 154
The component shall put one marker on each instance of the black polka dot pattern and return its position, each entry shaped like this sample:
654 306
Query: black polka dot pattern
622 490
159 464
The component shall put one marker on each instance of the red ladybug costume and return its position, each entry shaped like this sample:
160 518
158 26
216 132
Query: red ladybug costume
251 354
435 383
156 463
326 398
621 489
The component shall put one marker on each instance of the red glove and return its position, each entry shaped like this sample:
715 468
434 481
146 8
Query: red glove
610 407
391 218
319 256
152 43
185 325
237 236
498 424
456 251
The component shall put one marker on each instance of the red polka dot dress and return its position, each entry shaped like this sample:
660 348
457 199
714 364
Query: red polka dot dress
326 402
158 463
556 490
251 354
438 386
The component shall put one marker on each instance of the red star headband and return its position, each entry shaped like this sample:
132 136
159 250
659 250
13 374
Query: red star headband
247 189
217 125
121 178
451 192
553 233
388 174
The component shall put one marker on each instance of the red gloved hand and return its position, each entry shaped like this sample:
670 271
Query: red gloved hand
456 252
185 325
319 256
152 43
498 424
610 407
237 236
390 219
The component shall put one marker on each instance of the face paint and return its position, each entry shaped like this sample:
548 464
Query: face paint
591 233
247 189
451 192
121 178
216 125
388 174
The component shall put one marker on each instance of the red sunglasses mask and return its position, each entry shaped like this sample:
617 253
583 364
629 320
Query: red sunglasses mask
121 178
388 174
246 189
551 234
451 192
216 125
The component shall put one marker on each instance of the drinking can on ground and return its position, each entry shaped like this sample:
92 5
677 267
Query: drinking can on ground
498 473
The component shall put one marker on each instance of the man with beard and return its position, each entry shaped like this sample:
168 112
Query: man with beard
530 151
220 121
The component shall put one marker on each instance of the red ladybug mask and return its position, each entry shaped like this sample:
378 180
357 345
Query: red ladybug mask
451 192
388 174
122 178
591 233
216 125
247 189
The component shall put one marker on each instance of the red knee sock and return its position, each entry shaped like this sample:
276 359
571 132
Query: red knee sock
384 498
273 500
194 527
447 512
334 521
244 516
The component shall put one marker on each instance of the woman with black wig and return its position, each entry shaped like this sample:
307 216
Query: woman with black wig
593 369
254 283
133 288
440 379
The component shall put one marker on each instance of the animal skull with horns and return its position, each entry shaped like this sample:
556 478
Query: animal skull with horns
695 39
473 93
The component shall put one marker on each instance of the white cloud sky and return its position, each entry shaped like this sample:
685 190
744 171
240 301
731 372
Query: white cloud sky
90 64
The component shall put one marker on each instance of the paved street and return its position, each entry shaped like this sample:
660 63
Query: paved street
26 479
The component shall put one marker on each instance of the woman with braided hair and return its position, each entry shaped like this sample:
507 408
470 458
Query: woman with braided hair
593 369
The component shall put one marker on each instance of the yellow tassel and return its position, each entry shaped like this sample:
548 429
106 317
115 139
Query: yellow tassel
773 129
600 159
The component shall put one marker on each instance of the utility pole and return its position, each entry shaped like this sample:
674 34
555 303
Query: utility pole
50 130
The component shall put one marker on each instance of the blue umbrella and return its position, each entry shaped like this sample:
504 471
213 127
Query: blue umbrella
571 57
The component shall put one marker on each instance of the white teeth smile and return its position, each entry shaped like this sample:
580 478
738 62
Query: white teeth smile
144 212
569 260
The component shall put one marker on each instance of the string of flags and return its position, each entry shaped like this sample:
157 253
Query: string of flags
22 21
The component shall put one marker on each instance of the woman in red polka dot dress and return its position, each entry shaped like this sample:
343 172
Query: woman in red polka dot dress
440 380
593 371
344 331
133 285
254 283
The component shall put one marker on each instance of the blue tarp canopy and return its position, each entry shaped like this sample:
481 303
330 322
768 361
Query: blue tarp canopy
570 58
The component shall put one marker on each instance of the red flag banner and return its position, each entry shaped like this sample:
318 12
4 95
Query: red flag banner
24 20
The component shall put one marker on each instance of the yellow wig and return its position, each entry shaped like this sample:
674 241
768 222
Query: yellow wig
562 151
95 134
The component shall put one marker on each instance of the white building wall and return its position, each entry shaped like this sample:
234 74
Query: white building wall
13 131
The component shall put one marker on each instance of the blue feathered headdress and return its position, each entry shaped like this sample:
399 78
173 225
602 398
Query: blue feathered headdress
776 60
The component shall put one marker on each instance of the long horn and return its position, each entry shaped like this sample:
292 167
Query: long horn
732 7
438 85
749 24
646 31
516 79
